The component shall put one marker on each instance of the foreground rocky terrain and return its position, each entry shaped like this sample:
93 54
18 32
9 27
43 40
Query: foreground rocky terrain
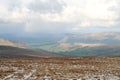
60 68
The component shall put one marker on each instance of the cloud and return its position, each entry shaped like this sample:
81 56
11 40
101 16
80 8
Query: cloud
44 16
42 26
47 6
91 13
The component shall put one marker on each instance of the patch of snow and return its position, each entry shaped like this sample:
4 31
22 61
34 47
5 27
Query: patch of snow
7 77
26 76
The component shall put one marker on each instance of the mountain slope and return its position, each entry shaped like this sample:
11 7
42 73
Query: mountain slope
101 37
107 50
4 42
86 44
10 49
83 49
14 52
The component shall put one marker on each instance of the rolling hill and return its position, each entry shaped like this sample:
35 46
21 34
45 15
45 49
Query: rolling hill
9 49
4 42
105 50
86 44
83 49
14 52
70 44
101 37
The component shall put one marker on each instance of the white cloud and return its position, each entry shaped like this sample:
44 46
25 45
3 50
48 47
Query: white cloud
42 26
60 15
95 12
88 13
46 6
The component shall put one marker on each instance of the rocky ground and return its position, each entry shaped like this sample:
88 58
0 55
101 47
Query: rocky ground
60 68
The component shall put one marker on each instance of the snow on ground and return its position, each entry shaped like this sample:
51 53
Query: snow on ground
27 76
61 69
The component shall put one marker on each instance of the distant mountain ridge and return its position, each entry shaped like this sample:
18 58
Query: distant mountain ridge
11 49
4 42
101 37
86 44
14 52
73 44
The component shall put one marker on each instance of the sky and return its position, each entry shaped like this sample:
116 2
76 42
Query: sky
58 16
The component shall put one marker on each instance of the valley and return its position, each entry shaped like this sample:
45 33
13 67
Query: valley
92 44
86 44
59 39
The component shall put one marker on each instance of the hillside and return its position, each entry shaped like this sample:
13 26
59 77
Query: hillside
14 52
83 49
107 50
4 42
77 44
85 44
101 37
10 49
